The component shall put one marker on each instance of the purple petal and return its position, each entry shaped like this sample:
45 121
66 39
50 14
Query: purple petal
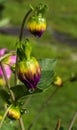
3 51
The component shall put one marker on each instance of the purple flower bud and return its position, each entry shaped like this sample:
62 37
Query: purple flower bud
37 25
29 72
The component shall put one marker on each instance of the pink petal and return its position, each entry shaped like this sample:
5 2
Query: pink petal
3 51
12 60
8 71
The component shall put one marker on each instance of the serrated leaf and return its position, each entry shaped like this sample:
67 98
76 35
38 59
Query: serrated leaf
4 95
46 79
20 91
47 74
47 64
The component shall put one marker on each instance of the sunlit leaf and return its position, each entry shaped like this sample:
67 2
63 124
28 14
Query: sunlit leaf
47 66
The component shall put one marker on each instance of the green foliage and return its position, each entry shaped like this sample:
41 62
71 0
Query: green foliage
21 92
47 66
4 95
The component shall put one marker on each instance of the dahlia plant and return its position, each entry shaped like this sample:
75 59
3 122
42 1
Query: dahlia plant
35 76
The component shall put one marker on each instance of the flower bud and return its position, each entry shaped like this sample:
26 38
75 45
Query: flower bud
37 25
29 72
14 113
58 82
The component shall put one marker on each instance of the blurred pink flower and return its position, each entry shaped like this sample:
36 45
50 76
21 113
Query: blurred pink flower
8 62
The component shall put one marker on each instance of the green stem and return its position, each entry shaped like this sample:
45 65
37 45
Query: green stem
5 114
20 39
23 23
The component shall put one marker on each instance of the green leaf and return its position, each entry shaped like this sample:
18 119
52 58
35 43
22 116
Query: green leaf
47 66
4 95
47 74
21 92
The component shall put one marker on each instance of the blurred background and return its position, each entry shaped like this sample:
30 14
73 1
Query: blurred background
59 42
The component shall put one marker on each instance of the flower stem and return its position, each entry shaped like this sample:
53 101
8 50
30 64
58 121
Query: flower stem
21 124
20 39
23 23
72 121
